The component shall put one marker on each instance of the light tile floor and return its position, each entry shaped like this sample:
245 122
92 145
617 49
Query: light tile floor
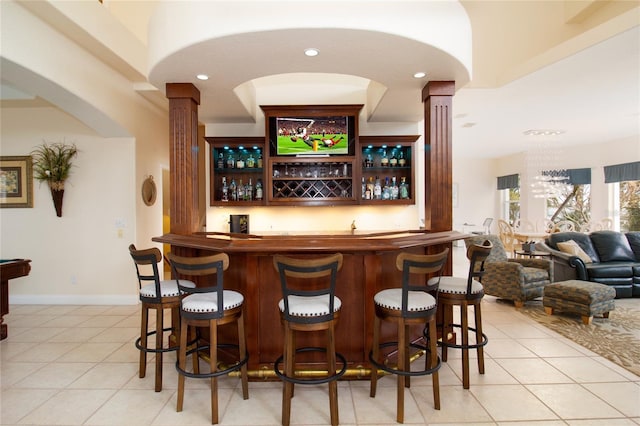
77 365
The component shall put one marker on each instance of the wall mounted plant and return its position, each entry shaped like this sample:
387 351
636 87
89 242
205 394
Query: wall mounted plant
52 164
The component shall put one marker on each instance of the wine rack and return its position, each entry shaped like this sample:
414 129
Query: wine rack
318 181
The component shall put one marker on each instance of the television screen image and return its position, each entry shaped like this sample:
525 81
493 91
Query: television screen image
312 135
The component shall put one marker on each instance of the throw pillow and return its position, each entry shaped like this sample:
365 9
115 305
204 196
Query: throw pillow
612 246
634 242
571 247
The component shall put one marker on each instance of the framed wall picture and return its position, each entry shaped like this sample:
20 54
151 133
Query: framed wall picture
16 181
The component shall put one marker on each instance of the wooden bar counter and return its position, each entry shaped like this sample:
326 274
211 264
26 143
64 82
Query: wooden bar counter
368 267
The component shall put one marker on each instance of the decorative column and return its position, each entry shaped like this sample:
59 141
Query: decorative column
184 99
437 98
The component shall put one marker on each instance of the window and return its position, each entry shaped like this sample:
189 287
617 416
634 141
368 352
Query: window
511 205
570 202
628 176
509 187
629 206
569 197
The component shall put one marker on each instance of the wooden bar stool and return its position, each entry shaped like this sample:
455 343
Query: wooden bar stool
208 306
308 304
159 295
465 292
414 303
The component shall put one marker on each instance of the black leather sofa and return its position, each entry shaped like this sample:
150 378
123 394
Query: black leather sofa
615 259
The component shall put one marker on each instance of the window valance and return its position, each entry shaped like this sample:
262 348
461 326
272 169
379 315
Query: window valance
570 176
509 181
622 172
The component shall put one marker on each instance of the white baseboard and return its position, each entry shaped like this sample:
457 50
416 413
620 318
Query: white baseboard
73 299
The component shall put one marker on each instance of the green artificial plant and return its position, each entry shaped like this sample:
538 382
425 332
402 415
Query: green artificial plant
52 164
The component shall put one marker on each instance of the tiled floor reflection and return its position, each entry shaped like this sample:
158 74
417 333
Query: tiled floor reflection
77 365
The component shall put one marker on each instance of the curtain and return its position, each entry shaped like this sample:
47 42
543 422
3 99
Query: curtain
509 181
622 172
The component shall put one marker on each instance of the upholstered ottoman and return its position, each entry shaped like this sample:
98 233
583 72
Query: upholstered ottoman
579 297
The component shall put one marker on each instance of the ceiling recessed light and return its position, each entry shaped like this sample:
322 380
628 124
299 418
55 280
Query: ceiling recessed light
202 77
543 132
419 74
311 52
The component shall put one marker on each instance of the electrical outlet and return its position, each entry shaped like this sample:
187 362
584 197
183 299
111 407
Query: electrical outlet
74 280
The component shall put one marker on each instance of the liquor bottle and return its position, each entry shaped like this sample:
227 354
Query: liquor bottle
377 189
221 161
395 191
225 189
369 161
259 161
240 191
370 187
239 163
384 161
234 190
386 190
401 160
251 162
231 163
259 189
364 189
248 193
393 161
404 188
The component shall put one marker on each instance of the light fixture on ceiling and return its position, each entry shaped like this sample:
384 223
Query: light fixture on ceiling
202 77
311 52
544 173
543 132
420 74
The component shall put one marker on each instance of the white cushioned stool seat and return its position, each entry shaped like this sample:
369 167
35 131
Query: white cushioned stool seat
168 288
310 306
457 285
208 302
391 298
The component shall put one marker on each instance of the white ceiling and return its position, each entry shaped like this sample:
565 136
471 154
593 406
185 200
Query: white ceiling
593 95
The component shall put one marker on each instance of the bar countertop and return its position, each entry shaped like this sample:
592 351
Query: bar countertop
304 241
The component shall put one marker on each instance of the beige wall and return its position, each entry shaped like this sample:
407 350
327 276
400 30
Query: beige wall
81 257
123 138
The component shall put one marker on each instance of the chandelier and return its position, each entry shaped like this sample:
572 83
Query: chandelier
544 175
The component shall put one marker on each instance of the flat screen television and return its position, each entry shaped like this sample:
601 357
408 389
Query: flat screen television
311 135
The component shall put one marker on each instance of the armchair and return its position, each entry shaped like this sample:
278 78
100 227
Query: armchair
513 279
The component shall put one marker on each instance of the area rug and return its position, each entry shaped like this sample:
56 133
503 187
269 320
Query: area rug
616 338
